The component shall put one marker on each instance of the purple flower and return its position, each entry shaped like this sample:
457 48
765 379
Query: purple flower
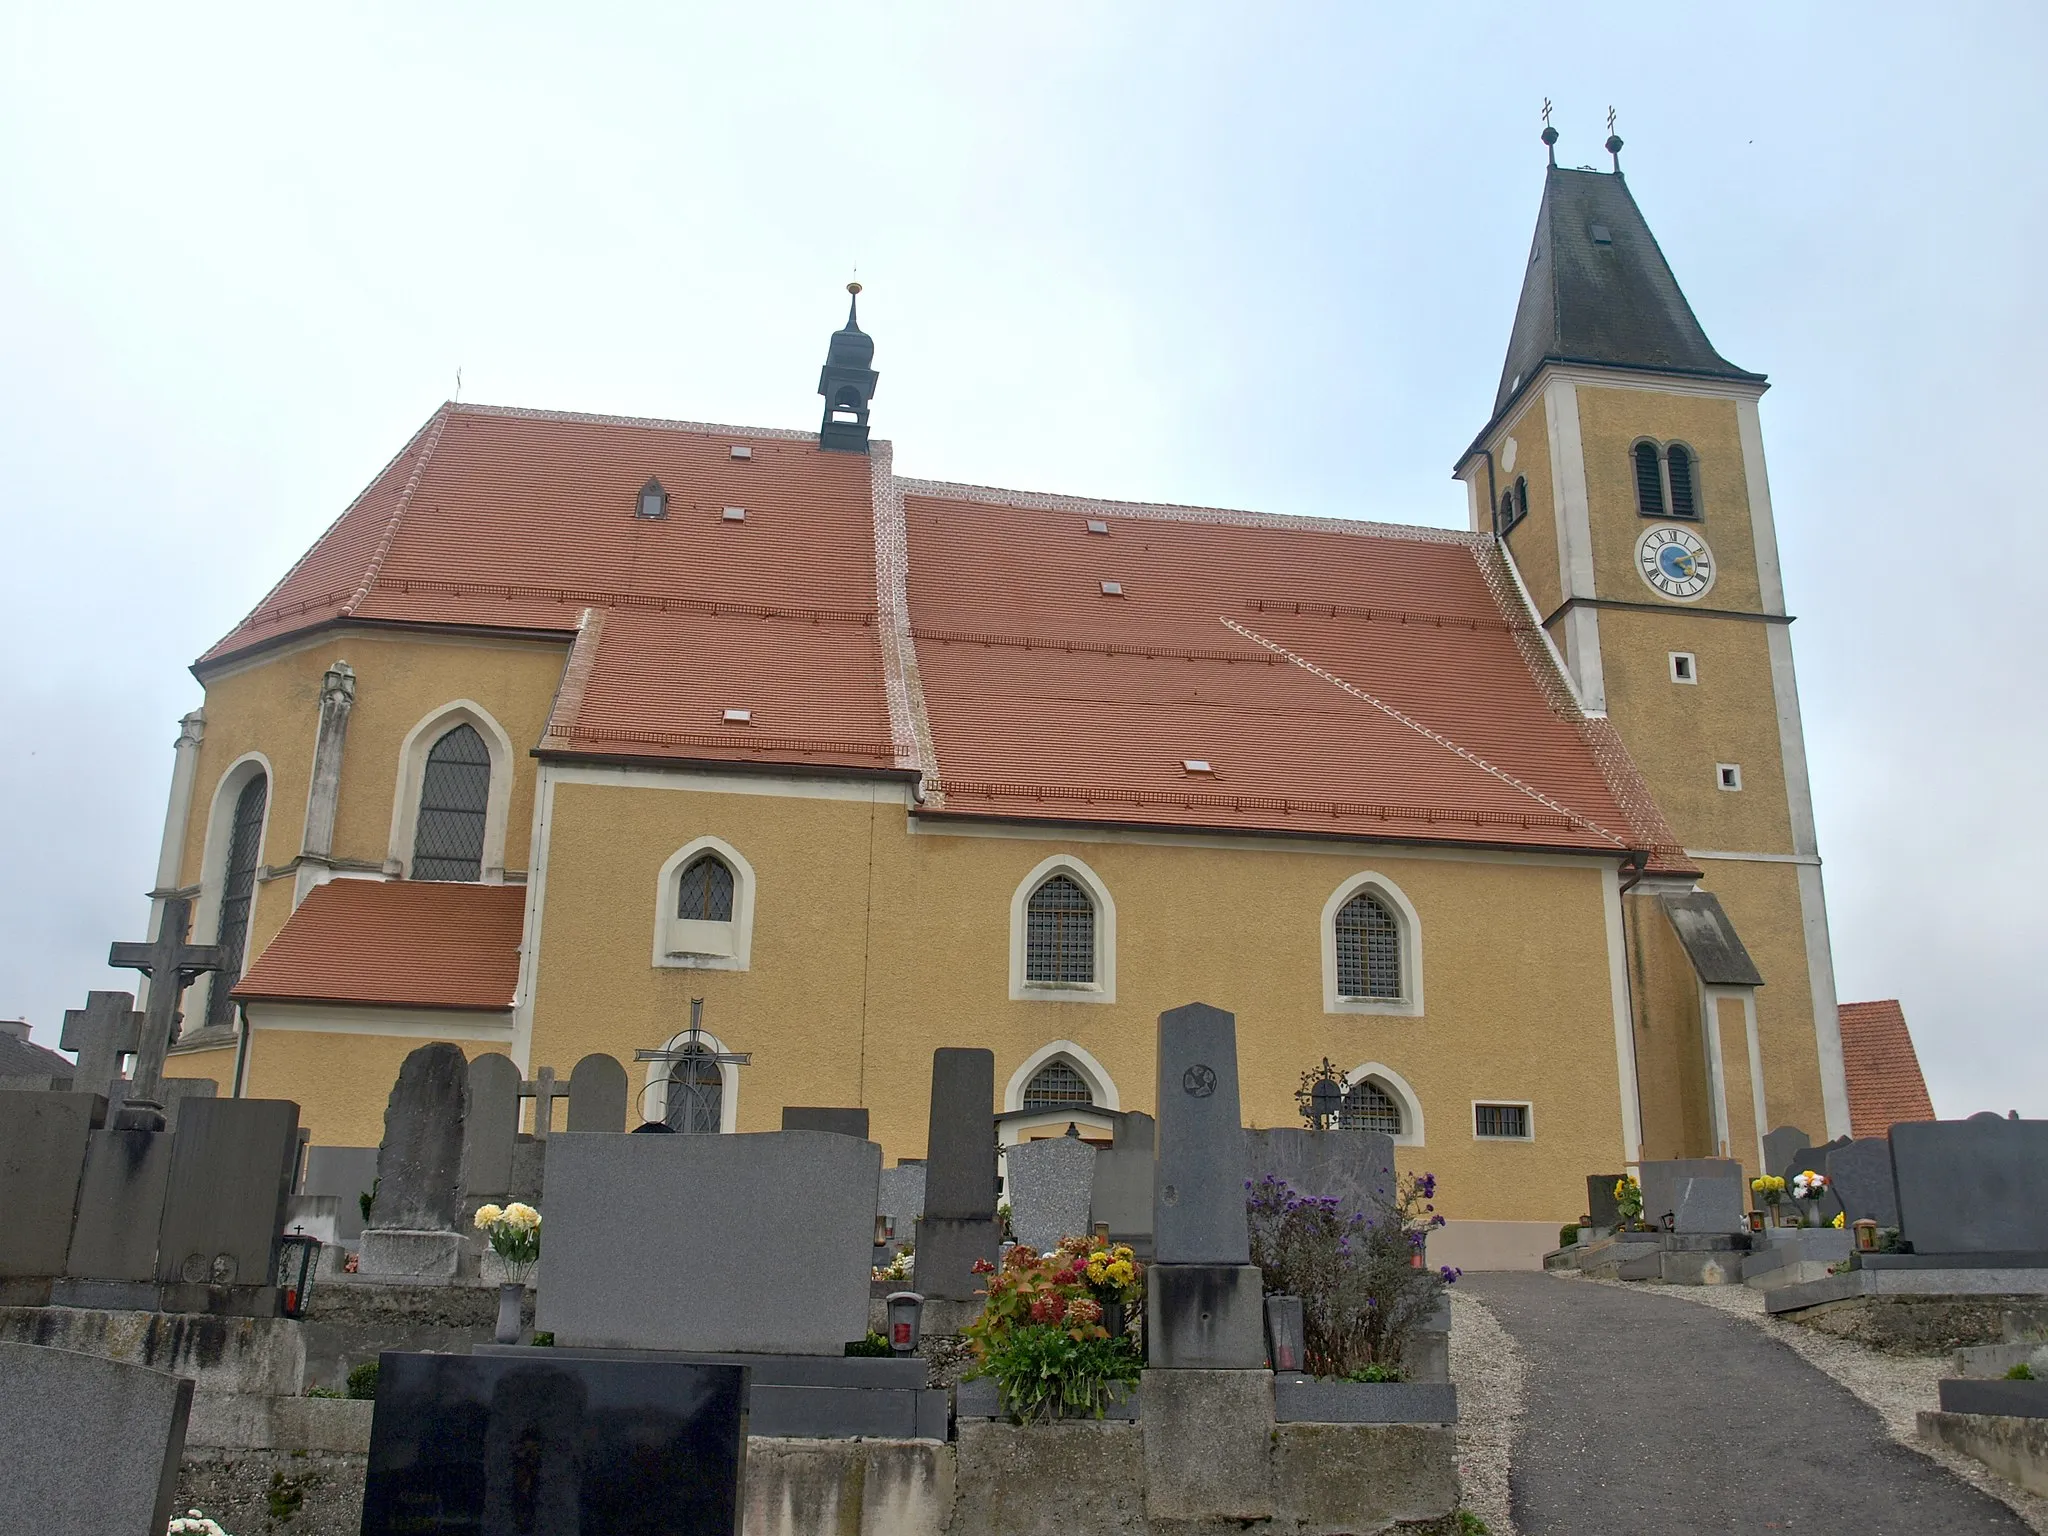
1450 1275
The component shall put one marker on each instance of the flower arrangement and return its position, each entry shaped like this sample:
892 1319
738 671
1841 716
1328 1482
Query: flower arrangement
193 1523
1360 1274
1041 1335
901 1269
514 1231
1770 1189
1810 1189
1628 1201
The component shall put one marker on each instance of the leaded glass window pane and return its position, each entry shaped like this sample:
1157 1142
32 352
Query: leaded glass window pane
1056 1084
1369 1107
696 1095
1368 949
454 793
1059 933
706 891
238 888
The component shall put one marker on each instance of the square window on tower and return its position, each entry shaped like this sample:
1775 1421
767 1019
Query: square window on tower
1684 667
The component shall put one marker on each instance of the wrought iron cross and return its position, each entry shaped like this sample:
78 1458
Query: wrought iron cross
692 1047
171 965
106 1029
543 1090
1321 1096
1546 111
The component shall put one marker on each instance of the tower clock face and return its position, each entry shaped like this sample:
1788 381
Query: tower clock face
1675 561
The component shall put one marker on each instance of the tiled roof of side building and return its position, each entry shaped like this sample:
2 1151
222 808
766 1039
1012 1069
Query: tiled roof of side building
400 943
1885 1082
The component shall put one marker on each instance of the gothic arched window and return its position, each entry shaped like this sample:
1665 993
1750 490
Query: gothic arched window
705 891
1056 1085
1368 949
1521 497
1649 481
454 792
1506 520
1369 1107
696 1094
1678 469
238 888
1059 933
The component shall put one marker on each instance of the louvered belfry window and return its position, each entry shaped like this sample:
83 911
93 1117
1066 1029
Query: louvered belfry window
238 888
1649 481
1055 1085
706 891
1369 1107
1059 936
1521 497
696 1095
454 793
1507 512
1678 465
1368 949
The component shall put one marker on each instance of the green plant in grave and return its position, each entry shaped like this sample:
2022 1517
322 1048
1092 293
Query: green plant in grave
362 1382
2020 1372
1040 1335
1567 1234
368 1199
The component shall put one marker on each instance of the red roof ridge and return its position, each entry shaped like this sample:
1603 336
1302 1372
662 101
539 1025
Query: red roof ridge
436 425
1053 501
910 726
568 703
654 423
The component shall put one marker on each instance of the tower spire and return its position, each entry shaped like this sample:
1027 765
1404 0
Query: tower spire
1613 145
847 381
1549 135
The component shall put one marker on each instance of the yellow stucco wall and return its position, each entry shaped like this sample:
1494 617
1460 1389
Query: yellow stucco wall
1533 541
1670 1048
1732 1021
342 1082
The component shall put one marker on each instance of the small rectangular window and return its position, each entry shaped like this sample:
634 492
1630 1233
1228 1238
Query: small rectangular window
1728 775
742 451
1112 589
735 514
1196 765
739 717
1501 1122
1684 669
1095 525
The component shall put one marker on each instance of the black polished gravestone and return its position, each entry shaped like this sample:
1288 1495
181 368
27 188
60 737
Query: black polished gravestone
1973 1186
1603 1206
498 1445
841 1122
958 1226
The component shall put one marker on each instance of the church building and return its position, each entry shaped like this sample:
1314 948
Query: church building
571 719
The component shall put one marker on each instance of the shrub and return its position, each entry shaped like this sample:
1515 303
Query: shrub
367 1199
1363 1290
2020 1372
872 1347
544 1341
362 1381
324 1392
1567 1234
1374 1373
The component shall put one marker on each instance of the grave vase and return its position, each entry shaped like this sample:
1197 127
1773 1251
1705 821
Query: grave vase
511 1298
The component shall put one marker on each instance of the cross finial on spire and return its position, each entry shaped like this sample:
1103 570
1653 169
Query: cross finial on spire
1613 142
1549 134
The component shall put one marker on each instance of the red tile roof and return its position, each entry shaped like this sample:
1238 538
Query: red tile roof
1885 1085
401 943
1341 678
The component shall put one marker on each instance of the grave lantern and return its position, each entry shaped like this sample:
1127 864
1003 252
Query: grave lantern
298 1254
885 1230
1670 1221
1286 1339
1756 1221
906 1321
1866 1235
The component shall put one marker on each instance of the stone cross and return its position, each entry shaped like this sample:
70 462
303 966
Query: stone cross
543 1090
102 1032
171 965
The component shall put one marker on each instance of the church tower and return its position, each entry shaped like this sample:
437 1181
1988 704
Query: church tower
1623 473
847 381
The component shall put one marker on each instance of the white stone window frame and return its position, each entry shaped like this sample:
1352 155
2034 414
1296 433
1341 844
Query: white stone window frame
1527 1108
1663 448
672 934
213 866
1689 672
1101 1086
412 773
1728 777
1409 1004
654 1095
1397 1088
1100 990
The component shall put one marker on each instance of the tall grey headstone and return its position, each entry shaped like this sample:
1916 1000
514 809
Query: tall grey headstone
1356 1167
43 1138
901 1201
177 1092
841 1122
597 1094
1050 1181
1861 1172
1820 1212
346 1173
1781 1146
419 1163
1602 1208
1702 1194
659 1242
92 1445
1972 1186
489 1127
231 1172
1122 1197
959 1221
1203 1299
121 1206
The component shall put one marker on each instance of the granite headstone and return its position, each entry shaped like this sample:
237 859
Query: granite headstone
1821 1212
1123 1182
1602 1209
1781 1146
840 1122
1355 1167
43 1139
900 1203
91 1446
959 1226
1050 1181
489 1127
1972 1186
1703 1194
121 1206
1861 1172
597 1094
231 1172
347 1173
419 1163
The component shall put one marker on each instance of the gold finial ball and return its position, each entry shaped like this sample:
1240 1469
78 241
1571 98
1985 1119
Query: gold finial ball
853 287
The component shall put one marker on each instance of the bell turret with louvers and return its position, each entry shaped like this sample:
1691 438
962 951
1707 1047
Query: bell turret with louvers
848 383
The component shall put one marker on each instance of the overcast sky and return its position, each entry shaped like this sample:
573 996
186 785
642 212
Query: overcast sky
1249 256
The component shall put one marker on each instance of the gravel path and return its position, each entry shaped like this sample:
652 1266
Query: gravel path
1493 1379
1641 1416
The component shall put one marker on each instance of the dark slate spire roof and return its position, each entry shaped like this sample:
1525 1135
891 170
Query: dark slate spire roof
1611 302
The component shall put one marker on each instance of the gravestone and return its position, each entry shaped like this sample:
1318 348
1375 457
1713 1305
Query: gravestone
841 1122
662 1242
1050 1183
231 1172
568 1446
104 1031
1822 1212
121 1206
1355 1167
176 1092
1781 1146
1602 1209
171 965
597 1094
959 1221
1203 1300
346 1173
92 1446
1704 1194
900 1203
1972 1186
1122 1197
544 1090
412 1229
43 1139
489 1128
1861 1172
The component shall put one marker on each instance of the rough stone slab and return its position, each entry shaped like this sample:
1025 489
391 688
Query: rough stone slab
410 1257
1051 1182
1861 1172
1825 1246
419 1162
1205 1317
92 1445
1208 1444
2015 1448
232 1162
1356 1167
659 1242
120 1206
597 1094
1703 1194
2009 1399
239 1421
43 1139
1198 1214
840 1122
1304 1400
1363 1477
489 1128
1909 1282
947 1248
260 1356
982 1399
1972 1186
1075 1477
847 1488
960 1149
1122 1196
1683 1267
1992 1361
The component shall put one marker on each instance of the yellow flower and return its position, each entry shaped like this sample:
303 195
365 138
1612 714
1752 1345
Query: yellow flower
1841 1218
487 1214
1122 1272
522 1215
